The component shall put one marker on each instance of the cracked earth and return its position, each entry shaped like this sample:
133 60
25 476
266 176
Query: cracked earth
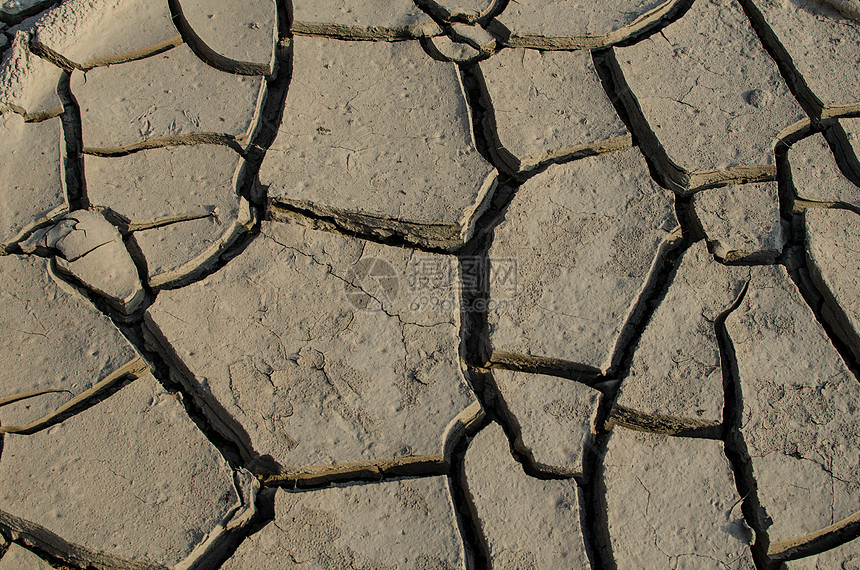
394 284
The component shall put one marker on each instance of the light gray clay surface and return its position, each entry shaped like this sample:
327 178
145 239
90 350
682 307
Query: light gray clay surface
370 131
180 204
91 250
95 33
538 117
383 19
833 253
154 103
852 131
555 417
677 368
796 30
308 341
430 284
19 558
148 500
559 24
34 148
799 414
583 257
53 340
720 103
246 35
815 174
646 477
408 523
28 83
542 531
742 223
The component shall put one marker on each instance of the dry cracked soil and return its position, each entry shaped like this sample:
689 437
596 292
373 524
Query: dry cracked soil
425 284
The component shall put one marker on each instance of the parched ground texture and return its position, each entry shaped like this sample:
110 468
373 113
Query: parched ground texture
392 284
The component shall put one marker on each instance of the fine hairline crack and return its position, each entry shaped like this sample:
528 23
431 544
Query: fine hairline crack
333 273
